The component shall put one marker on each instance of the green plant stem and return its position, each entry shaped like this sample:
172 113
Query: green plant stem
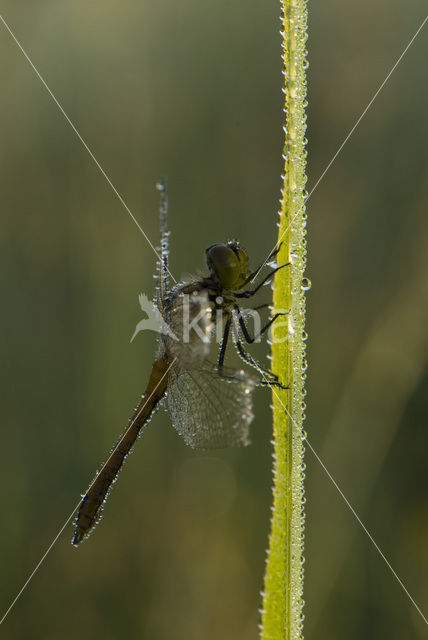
282 617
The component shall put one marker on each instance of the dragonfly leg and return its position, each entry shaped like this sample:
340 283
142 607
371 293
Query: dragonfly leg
269 383
268 259
244 329
223 345
250 293
274 252
271 379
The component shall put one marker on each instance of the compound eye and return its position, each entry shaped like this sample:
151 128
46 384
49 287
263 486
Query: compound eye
223 261
243 263
243 270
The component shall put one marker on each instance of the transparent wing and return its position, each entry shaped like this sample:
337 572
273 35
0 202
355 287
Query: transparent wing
162 273
211 411
188 317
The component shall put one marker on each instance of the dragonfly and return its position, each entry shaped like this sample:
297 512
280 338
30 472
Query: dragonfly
209 403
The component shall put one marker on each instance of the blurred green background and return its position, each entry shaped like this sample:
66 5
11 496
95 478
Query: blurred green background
193 90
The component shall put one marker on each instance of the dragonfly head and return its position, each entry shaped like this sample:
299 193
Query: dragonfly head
229 263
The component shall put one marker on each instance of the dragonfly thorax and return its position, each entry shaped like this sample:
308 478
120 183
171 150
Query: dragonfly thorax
228 263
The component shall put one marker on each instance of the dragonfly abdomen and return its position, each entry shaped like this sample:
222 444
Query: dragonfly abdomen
90 509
